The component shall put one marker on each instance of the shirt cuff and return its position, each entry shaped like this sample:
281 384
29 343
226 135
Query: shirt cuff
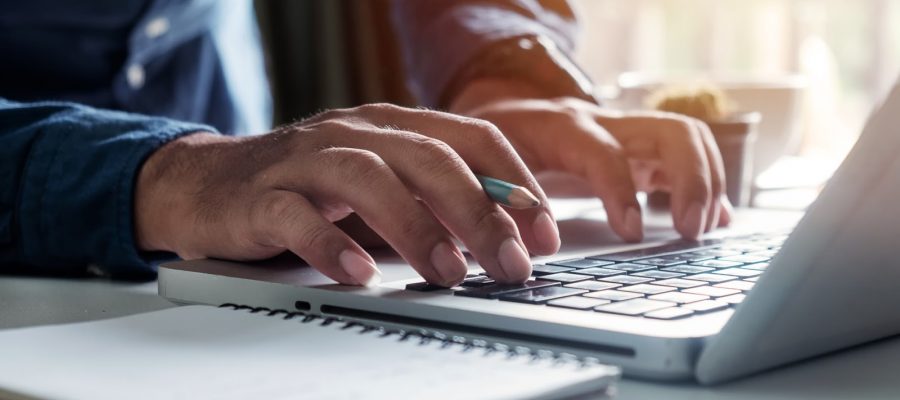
463 32
78 190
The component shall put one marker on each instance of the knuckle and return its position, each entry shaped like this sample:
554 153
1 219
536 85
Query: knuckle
353 161
326 115
268 210
313 237
414 228
435 155
488 219
373 108
484 133
684 127
332 125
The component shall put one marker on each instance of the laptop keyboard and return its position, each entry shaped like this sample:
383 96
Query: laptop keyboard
671 281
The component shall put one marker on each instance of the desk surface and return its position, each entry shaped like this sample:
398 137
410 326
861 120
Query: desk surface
867 372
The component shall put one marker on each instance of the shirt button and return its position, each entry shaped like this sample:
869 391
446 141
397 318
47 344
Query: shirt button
156 27
135 76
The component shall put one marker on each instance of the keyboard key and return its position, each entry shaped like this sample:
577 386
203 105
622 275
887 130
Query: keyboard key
577 302
565 277
711 278
695 256
539 270
718 253
746 259
757 266
717 264
631 267
711 291
657 274
678 257
593 285
680 246
540 295
669 313
598 272
634 306
478 281
678 297
706 305
733 299
626 279
424 287
580 263
661 262
613 295
764 253
493 291
680 283
753 279
647 288
687 269
739 272
736 284
745 247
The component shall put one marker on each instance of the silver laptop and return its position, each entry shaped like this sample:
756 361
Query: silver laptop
713 310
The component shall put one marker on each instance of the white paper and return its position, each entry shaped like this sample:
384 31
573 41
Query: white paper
214 353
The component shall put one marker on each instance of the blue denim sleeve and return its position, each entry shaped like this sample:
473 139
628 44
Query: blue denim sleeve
67 175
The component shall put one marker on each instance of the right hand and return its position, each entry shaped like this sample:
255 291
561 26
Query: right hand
407 173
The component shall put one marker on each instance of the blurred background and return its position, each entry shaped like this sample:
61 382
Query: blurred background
839 57
813 68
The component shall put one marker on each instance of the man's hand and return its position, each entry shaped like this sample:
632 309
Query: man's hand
617 153
407 173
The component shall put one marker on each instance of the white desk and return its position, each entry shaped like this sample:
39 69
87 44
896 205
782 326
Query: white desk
868 372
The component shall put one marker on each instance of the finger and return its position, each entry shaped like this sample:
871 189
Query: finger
287 220
433 171
683 157
726 211
362 179
683 154
486 151
717 174
609 174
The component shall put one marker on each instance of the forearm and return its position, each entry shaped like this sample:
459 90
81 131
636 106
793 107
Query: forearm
67 186
448 43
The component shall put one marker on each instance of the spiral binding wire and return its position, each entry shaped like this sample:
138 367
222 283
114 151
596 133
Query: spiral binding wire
425 337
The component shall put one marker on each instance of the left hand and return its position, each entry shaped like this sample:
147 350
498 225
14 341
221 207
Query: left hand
618 153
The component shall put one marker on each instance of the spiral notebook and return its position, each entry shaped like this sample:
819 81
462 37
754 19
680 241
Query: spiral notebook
238 352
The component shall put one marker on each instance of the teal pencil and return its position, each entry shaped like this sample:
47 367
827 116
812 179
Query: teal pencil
508 194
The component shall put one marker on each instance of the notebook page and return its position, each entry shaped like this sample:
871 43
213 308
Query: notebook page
207 352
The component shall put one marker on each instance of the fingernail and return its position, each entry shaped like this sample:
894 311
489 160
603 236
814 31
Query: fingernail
359 268
634 225
449 263
514 261
546 233
693 221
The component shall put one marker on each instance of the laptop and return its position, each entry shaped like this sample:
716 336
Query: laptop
712 310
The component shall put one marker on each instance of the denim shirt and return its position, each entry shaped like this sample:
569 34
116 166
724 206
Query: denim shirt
67 170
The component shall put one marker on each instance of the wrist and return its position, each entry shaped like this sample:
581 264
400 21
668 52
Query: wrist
163 184
533 62
483 91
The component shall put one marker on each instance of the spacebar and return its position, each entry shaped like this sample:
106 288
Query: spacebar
674 247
